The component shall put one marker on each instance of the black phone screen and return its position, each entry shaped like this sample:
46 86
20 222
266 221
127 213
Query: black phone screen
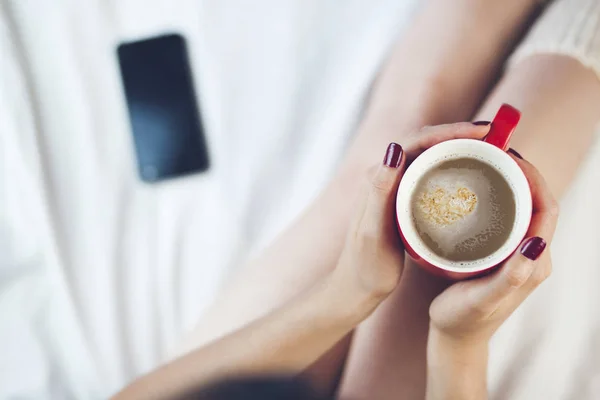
167 128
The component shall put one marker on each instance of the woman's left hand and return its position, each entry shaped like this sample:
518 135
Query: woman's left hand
373 255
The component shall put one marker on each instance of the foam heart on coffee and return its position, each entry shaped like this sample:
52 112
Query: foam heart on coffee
457 207
443 207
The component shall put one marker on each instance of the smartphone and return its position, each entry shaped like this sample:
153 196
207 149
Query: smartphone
163 110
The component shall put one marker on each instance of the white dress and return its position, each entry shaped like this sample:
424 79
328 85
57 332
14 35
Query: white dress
100 274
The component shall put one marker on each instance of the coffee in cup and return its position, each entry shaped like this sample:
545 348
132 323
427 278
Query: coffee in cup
463 209
464 205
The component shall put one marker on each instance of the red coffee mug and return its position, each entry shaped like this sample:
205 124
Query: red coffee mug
492 151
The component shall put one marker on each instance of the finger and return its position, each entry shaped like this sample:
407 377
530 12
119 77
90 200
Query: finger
510 278
377 214
431 135
541 272
545 207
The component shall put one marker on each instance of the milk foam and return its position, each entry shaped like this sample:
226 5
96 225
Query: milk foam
468 232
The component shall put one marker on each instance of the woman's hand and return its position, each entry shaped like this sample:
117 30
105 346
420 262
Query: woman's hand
294 336
466 315
474 309
373 255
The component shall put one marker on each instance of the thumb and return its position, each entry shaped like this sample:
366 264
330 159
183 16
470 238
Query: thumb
378 210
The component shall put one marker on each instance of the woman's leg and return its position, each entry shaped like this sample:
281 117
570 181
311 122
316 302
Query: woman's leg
428 67
560 102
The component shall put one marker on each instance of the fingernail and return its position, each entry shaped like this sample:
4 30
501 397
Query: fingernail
515 153
533 247
393 155
481 123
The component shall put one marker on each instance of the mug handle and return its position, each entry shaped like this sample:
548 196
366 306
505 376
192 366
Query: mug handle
504 124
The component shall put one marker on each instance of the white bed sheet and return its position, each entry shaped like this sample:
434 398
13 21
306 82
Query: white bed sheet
100 275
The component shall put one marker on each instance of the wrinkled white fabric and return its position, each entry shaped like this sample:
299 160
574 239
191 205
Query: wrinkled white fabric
101 274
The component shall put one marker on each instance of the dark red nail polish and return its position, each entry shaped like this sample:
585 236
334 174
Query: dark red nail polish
533 247
393 155
515 153
481 123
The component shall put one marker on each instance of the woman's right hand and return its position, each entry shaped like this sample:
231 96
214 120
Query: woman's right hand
465 316
474 309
